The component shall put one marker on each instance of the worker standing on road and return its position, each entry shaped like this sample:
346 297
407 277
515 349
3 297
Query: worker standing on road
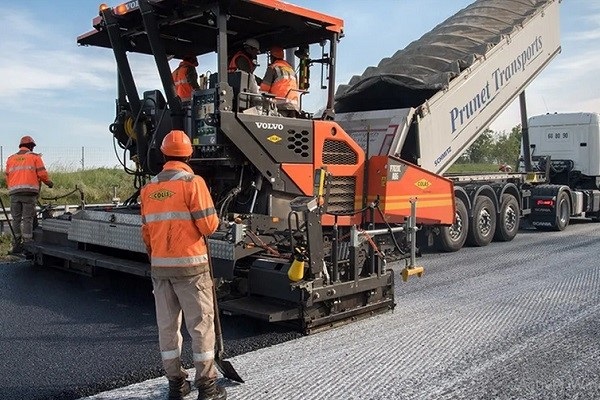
177 214
25 171
185 78
246 58
280 80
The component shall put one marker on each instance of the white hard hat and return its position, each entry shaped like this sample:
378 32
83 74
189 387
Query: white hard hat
252 43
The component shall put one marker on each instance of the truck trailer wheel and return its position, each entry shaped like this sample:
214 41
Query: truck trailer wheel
483 223
507 224
452 238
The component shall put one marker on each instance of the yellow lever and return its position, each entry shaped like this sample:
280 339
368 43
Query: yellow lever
407 272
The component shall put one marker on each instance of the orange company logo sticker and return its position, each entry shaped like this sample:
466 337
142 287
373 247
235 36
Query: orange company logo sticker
161 194
422 184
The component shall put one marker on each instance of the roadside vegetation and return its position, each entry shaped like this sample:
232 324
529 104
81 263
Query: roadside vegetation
5 245
489 151
98 186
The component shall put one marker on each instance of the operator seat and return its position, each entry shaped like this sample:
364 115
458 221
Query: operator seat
245 88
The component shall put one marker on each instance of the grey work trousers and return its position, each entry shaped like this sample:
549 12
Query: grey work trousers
194 296
22 209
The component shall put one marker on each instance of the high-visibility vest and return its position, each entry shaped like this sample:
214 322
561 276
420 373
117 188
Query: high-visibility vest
244 57
284 83
181 79
177 213
24 172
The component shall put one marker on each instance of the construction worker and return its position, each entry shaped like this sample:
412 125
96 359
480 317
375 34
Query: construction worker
25 171
177 214
185 78
246 58
280 80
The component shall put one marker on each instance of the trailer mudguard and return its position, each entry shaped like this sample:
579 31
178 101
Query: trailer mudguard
550 207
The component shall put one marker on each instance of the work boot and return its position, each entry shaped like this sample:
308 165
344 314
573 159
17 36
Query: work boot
209 390
179 388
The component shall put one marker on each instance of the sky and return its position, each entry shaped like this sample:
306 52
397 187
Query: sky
64 94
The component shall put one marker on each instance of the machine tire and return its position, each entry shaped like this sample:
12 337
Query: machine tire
507 224
452 238
483 224
563 212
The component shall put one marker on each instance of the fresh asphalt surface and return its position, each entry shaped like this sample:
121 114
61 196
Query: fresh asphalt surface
64 336
517 320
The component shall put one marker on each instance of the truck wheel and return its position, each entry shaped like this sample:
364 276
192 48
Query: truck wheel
483 223
507 224
563 212
452 238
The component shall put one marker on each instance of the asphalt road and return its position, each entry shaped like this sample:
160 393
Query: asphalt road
518 320
64 336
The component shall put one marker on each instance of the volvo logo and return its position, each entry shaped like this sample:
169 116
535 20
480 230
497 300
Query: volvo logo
269 125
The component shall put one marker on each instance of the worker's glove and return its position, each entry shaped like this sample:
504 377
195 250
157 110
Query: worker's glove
50 184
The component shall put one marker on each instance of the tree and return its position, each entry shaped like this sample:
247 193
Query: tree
494 147
508 146
481 150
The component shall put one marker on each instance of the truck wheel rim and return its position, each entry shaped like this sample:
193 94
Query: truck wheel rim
456 228
510 219
484 222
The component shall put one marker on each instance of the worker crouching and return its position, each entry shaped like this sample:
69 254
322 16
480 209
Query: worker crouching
177 214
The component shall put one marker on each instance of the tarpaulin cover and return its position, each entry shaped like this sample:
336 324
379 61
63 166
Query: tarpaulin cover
427 65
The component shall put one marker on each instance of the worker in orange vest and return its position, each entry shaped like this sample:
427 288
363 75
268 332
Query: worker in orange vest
25 171
185 78
246 58
177 216
280 80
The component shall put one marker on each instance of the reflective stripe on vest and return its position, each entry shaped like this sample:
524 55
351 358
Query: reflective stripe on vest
17 188
181 215
171 175
22 167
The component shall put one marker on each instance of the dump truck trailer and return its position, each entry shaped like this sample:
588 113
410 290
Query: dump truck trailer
429 102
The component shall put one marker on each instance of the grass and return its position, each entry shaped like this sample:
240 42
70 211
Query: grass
5 245
98 185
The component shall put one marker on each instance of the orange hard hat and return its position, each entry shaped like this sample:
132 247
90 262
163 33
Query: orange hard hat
276 52
176 144
26 140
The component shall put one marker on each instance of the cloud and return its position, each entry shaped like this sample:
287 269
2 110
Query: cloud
42 61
